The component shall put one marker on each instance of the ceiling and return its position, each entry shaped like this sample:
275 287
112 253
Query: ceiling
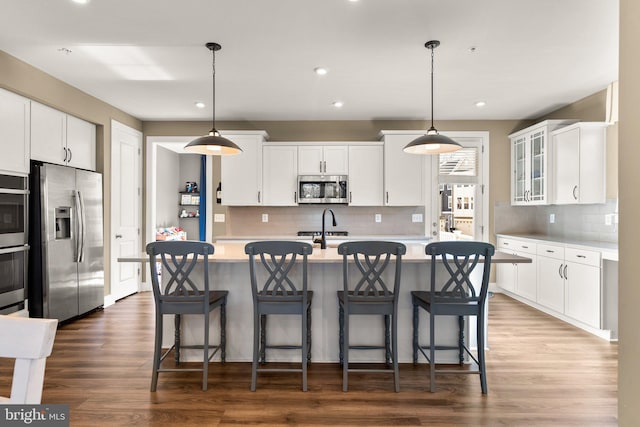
523 58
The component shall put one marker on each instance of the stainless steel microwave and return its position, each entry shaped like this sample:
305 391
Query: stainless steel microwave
322 189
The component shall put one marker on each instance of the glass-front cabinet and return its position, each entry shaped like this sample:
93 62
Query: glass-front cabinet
530 163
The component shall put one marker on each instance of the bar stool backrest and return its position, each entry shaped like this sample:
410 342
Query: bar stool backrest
371 258
460 259
178 259
277 260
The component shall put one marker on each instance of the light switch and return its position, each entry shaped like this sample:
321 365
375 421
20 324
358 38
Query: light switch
378 217
552 218
265 217
416 217
218 218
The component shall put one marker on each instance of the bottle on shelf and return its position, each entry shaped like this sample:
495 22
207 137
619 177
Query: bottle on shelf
219 193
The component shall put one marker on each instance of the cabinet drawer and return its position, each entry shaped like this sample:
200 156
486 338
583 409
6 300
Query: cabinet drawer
551 251
582 256
517 245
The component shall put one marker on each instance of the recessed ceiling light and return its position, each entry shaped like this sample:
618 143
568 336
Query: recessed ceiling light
338 104
473 49
321 71
65 50
480 104
81 1
353 1
200 104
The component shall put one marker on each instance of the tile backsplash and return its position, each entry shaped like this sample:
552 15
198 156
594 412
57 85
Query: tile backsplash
581 222
358 221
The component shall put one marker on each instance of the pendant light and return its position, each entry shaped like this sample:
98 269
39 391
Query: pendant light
432 142
213 144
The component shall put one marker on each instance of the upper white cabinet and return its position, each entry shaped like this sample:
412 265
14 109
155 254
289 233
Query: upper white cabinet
242 173
404 174
14 132
365 175
59 138
323 160
81 143
530 163
579 163
279 175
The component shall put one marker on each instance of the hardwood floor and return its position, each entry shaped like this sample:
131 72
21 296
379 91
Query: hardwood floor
541 371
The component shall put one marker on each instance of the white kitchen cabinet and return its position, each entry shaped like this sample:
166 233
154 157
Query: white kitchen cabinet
366 164
323 160
15 131
279 175
583 286
242 173
551 284
62 139
570 283
579 163
522 280
81 143
404 174
530 163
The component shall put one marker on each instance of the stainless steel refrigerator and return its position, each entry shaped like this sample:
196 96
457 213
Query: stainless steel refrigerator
66 265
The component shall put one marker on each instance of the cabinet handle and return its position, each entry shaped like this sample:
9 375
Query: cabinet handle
350 197
258 197
550 251
65 154
581 256
506 243
524 247
320 166
387 197
325 166
565 271
575 188
118 236
295 197
70 154
560 271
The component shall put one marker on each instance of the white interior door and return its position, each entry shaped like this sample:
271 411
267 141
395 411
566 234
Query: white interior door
126 208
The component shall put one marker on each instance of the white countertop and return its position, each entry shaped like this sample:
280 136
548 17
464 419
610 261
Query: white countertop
234 252
609 250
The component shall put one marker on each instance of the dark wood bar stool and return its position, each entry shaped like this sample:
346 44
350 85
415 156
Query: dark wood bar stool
180 295
284 291
370 295
454 295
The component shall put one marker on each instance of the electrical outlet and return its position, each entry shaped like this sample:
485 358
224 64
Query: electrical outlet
218 218
378 217
608 219
416 218
552 218
265 217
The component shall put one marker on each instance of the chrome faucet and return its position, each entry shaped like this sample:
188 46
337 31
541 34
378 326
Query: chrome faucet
323 237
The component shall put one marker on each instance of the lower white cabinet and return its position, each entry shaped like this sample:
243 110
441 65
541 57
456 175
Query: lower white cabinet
551 286
518 278
583 291
567 281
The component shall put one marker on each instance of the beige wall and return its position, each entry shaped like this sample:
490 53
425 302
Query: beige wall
32 83
629 159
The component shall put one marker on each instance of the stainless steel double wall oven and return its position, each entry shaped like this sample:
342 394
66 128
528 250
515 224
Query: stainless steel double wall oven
14 199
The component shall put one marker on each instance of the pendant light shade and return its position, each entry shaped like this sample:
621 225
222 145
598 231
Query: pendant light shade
213 144
432 142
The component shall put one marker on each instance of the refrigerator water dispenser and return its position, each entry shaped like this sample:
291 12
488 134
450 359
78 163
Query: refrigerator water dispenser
63 223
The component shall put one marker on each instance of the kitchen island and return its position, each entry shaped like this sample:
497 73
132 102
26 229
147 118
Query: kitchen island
229 269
